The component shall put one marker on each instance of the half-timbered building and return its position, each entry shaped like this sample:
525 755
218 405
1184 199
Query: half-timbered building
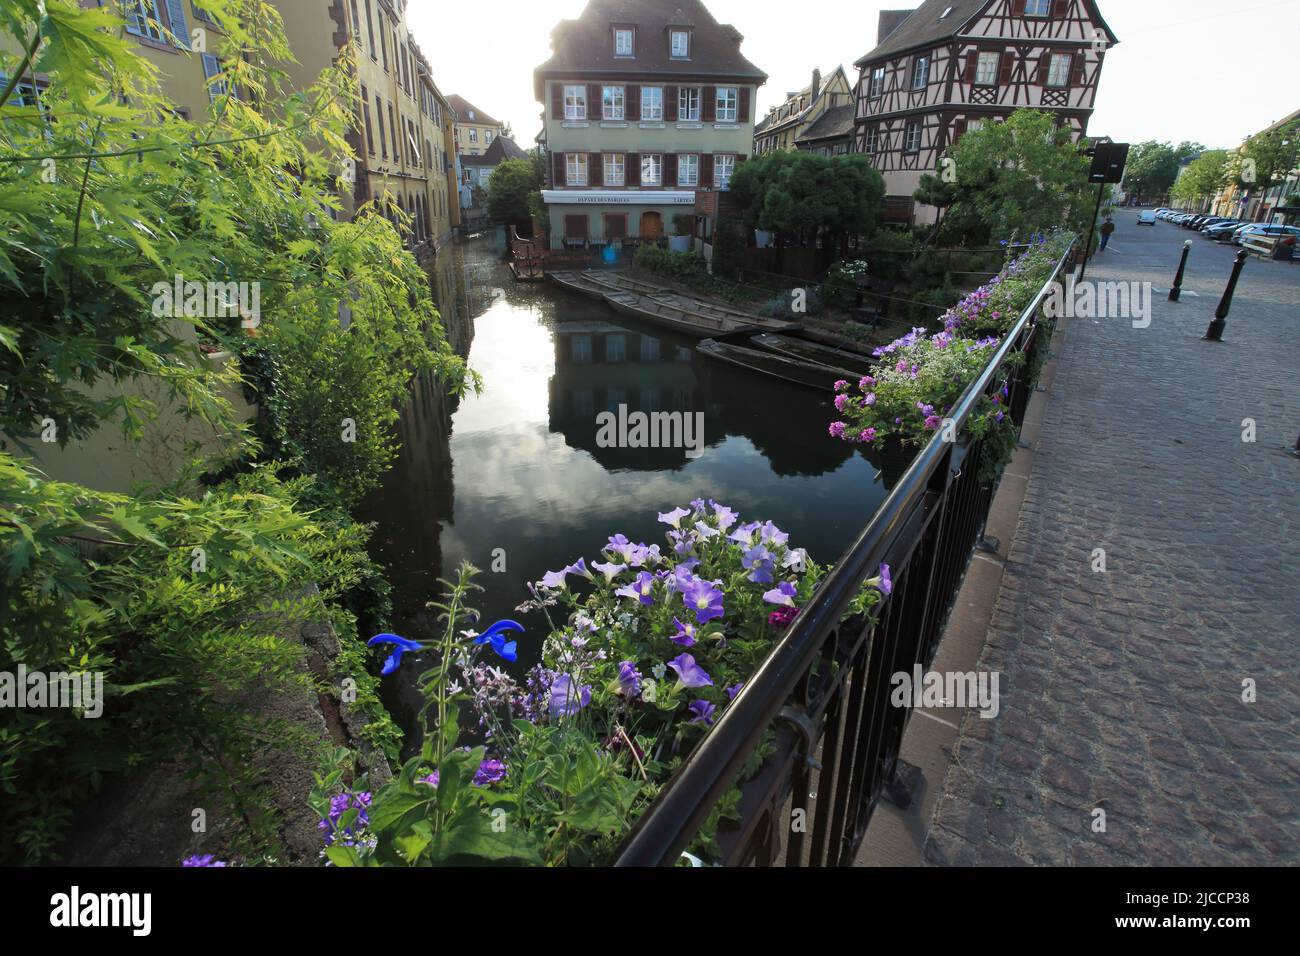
952 65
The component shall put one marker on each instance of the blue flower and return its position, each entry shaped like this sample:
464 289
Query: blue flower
394 660
494 636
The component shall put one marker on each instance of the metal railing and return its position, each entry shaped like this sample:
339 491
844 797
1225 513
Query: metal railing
824 688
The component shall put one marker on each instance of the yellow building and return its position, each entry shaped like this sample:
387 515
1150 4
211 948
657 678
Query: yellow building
405 126
475 130
785 125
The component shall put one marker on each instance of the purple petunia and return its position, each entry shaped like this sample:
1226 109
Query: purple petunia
784 593
629 679
704 599
206 860
703 712
566 699
685 635
641 589
689 673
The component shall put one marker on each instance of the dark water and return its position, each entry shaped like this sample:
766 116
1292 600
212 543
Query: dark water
518 467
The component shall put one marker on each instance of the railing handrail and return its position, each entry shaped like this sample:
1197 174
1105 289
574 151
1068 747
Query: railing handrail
665 829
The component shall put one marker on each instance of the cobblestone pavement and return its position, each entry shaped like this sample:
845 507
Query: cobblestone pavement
1123 690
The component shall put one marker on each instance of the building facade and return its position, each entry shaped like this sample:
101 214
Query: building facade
475 130
950 66
1252 205
783 125
647 102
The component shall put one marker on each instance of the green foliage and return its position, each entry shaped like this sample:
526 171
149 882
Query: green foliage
1266 158
801 193
186 604
1152 167
672 265
1204 177
510 189
1014 179
181 604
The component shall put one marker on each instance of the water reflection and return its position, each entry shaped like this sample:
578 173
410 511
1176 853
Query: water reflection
513 479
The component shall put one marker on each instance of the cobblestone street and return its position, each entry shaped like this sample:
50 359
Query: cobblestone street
1123 691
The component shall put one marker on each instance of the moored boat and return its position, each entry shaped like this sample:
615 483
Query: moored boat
648 310
579 283
816 353
773 364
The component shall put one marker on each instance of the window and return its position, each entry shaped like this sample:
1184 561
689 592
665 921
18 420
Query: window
871 142
473 135
688 170
1038 8
986 69
575 102
728 104
365 110
723 166
681 44
652 169
612 103
615 345
973 125
912 140
144 19
921 72
652 104
1058 74
877 81
487 137
212 69
615 169
412 143
575 169
383 136
688 104
623 43
383 41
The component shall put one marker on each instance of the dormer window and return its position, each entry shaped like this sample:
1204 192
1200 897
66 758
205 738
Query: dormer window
623 42
680 44
1038 8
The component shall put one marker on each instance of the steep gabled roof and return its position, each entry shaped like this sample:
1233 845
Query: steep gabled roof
585 46
502 148
832 124
467 112
774 120
927 26
924 26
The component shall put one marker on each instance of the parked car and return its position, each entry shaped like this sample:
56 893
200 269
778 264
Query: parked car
1146 218
1264 229
1222 230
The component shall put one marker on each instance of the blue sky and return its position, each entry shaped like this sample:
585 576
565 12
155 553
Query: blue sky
1202 70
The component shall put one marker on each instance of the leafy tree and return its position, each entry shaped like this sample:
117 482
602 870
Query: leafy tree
1013 179
182 600
799 194
1266 159
1204 177
1153 167
510 189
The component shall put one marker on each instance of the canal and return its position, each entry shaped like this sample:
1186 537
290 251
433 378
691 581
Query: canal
516 473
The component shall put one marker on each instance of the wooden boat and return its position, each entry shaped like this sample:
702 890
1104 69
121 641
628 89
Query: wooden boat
772 364
648 310
700 307
816 353
689 303
576 282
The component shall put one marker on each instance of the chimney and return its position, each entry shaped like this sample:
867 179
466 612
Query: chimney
890 20
816 83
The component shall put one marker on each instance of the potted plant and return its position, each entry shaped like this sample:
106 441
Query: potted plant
683 229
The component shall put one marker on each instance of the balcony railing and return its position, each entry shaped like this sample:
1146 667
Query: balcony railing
824 689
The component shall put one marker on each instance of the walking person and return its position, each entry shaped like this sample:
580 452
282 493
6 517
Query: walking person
1107 228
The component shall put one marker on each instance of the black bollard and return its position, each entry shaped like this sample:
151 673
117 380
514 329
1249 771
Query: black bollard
1215 332
1177 290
